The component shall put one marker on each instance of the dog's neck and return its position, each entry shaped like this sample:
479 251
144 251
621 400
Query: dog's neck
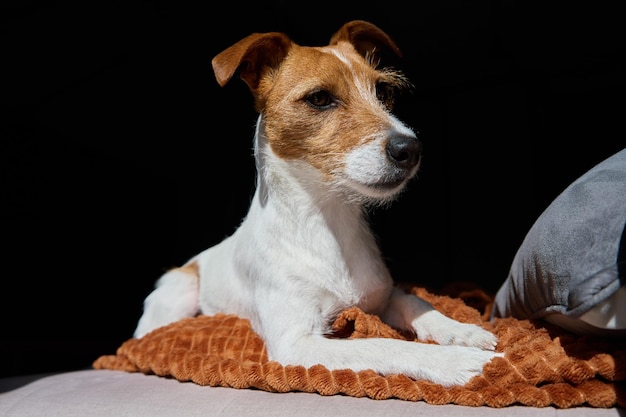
335 229
301 187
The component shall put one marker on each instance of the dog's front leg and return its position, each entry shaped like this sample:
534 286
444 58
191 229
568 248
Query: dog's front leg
293 329
406 311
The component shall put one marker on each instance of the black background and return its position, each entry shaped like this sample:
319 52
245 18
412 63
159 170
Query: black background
120 156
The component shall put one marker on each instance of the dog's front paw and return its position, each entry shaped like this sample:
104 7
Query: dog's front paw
460 364
445 331
463 334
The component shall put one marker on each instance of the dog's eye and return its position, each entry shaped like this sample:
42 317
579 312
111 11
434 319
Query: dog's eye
320 99
385 93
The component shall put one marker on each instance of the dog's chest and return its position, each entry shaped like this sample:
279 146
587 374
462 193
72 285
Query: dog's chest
342 258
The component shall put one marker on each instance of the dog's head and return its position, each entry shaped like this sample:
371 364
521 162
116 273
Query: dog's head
330 106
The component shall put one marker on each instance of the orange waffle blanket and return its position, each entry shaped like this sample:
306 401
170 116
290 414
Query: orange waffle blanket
543 365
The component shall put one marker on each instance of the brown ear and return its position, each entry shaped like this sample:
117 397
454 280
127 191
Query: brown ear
366 38
253 55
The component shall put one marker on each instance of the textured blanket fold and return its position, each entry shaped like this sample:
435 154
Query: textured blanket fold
543 365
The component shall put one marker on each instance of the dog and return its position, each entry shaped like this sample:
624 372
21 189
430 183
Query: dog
327 148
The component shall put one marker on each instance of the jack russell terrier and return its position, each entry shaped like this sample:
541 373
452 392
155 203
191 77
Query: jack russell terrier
327 147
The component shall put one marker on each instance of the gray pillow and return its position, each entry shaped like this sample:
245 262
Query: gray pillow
573 259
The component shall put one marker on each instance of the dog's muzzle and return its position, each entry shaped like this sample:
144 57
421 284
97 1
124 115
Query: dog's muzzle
381 172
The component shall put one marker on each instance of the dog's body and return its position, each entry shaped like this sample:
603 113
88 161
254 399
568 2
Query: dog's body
326 146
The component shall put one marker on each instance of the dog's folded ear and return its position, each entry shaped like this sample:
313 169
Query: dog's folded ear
259 52
367 38
253 55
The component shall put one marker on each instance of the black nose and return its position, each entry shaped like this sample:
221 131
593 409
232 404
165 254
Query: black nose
404 151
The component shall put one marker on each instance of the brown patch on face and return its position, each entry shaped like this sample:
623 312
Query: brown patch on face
323 136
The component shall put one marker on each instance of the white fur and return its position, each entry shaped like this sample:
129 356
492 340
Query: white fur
303 253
